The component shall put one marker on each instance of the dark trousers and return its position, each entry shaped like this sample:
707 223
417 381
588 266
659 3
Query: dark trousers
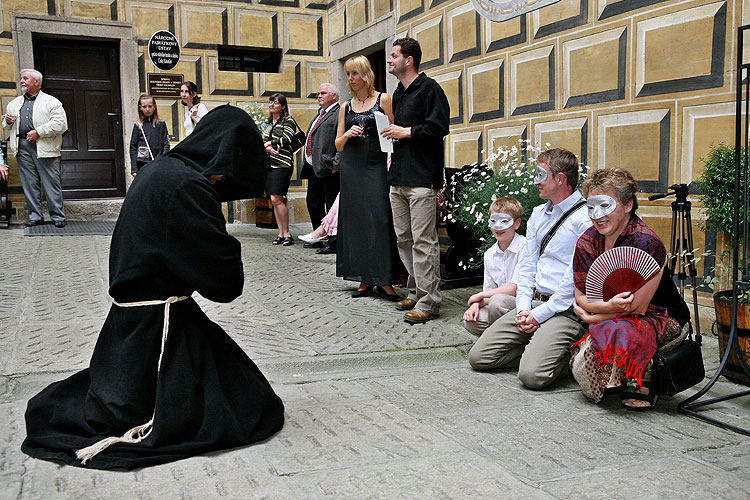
321 193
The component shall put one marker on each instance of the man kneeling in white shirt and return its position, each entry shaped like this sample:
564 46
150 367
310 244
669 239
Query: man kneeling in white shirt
536 336
501 263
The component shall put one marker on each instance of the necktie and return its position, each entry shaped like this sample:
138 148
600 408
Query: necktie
308 142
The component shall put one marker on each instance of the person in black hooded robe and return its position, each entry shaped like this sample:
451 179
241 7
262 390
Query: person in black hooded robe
138 403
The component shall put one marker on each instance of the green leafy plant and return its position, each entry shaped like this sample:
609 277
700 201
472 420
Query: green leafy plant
717 187
258 113
509 171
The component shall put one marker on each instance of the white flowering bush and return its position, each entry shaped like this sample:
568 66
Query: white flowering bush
509 171
257 112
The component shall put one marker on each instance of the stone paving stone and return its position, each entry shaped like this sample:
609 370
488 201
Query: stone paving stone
675 477
340 435
472 477
54 346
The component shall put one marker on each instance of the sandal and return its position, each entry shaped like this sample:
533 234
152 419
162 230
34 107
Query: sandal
278 241
639 396
288 240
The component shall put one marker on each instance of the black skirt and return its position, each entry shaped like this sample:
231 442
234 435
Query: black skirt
278 181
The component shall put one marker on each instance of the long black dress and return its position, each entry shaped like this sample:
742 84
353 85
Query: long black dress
170 241
366 249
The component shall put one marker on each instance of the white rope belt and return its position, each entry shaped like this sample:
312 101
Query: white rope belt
140 432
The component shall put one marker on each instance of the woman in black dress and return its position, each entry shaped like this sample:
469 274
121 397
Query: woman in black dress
366 250
149 139
165 382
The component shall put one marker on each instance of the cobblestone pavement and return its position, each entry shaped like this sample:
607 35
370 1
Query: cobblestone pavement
375 408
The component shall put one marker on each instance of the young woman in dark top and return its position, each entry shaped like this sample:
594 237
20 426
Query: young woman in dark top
149 138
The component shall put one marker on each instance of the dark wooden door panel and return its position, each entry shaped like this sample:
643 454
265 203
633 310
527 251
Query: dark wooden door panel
84 75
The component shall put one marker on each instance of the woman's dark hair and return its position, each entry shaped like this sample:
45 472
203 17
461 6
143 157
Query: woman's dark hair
192 88
284 108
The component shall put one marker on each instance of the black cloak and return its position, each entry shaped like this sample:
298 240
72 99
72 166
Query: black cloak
170 241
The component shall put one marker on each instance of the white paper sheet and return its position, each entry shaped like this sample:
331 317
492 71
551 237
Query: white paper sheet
381 121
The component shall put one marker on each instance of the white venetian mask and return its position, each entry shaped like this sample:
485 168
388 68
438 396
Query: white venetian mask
500 221
541 175
600 205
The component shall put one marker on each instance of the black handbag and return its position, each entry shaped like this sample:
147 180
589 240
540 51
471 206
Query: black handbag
298 139
677 370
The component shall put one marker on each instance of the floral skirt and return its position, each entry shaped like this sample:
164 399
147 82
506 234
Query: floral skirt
614 351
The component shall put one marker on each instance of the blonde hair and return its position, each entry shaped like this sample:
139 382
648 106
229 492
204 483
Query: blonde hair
507 205
618 180
154 116
361 65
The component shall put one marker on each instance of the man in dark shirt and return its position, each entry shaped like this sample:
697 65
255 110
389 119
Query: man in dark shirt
421 117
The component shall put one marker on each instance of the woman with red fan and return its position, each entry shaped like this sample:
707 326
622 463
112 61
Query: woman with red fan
622 292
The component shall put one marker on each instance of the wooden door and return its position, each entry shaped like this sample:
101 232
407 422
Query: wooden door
84 76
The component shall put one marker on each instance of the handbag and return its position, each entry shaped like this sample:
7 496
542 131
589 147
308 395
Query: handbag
298 139
677 370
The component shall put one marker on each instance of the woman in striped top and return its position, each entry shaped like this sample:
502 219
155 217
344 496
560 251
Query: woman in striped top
278 131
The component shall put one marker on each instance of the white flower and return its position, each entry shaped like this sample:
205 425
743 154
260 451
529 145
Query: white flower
524 190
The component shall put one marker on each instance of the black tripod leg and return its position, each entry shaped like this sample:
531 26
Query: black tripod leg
690 259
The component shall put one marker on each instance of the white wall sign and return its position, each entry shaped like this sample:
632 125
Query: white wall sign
502 10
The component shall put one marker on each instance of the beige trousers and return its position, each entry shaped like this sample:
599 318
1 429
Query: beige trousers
414 213
497 307
541 357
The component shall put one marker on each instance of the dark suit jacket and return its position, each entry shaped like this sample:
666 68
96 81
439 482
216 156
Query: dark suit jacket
325 158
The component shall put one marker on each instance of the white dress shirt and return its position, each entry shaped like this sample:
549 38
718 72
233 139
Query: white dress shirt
308 159
546 273
501 267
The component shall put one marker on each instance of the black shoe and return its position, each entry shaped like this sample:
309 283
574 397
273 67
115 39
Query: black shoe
60 223
328 249
393 297
31 223
278 241
317 244
288 240
362 293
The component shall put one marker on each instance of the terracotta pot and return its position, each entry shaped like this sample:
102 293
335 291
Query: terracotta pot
723 306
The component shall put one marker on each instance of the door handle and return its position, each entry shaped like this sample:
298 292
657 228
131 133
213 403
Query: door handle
113 114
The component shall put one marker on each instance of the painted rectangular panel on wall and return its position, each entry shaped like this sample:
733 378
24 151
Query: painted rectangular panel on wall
430 37
288 83
506 137
8 7
303 35
464 33
594 68
254 28
105 10
486 90
191 66
532 81
406 9
381 8
610 8
8 74
317 73
337 23
570 133
203 27
452 85
559 17
356 14
148 18
697 34
228 82
464 148
505 34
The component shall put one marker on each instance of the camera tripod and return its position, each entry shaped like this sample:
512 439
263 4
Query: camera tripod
681 243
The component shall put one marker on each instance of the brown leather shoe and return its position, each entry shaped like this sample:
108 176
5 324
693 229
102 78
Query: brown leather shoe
406 305
419 316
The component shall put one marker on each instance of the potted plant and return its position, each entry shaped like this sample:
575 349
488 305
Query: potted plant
717 187
264 216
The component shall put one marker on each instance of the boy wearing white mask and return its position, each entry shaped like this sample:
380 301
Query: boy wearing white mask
501 264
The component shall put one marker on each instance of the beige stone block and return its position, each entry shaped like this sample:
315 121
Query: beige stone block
8 74
148 18
93 9
203 26
532 81
504 34
702 126
697 35
356 14
407 9
594 68
303 34
254 28
570 133
452 85
191 66
288 82
559 16
165 106
8 7
315 74
381 8
506 137
464 33
638 141
337 23
464 148
485 90
227 82
430 37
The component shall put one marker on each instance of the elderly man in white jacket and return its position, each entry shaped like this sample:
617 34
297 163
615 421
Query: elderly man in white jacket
35 123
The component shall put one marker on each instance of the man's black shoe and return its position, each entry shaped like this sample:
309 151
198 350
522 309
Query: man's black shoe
317 244
328 249
59 223
31 223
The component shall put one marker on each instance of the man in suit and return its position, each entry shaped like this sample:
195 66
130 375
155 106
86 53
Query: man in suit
321 162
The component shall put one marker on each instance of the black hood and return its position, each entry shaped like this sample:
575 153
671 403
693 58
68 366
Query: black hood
227 142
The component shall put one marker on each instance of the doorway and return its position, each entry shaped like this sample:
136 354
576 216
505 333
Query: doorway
84 76
377 62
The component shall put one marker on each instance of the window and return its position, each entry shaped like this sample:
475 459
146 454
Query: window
249 59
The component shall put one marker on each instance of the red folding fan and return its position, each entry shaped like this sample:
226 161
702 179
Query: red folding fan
620 269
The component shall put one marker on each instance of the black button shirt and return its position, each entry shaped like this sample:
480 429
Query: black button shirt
419 160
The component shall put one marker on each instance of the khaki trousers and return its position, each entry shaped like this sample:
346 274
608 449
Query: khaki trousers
496 308
541 357
414 213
